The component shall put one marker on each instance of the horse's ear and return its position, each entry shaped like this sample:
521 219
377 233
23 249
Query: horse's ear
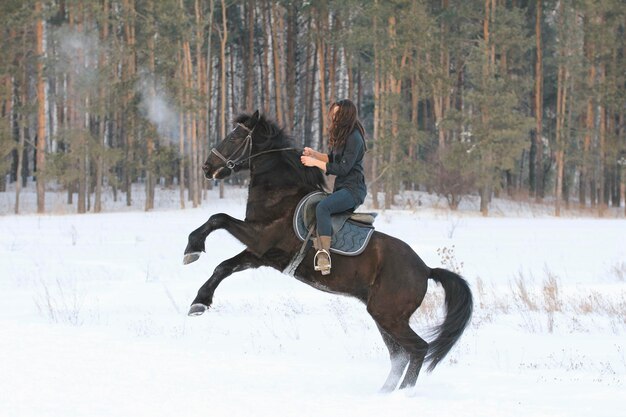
254 119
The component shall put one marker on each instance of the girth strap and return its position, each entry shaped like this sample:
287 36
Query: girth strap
299 256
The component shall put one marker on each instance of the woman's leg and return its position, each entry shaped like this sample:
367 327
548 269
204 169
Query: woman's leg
337 202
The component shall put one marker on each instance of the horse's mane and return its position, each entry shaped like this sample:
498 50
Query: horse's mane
268 136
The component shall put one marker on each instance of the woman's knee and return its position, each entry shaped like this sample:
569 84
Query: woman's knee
322 208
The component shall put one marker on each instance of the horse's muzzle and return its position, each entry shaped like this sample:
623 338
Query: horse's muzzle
206 168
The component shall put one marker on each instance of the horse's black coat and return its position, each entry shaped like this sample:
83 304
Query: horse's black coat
389 277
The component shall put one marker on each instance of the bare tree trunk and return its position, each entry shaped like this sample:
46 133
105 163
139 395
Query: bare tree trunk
414 109
321 53
561 106
104 35
395 88
19 119
7 107
201 85
248 77
350 72
622 166
332 68
224 39
377 104
209 85
536 166
485 189
265 62
79 125
359 88
187 100
191 126
604 197
275 20
567 179
41 113
389 156
442 96
439 111
181 135
292 26
307 140
150 180
589 122
97 204
560 116
231 79
129 30
20 157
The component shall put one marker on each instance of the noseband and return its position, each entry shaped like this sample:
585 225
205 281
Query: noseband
245 147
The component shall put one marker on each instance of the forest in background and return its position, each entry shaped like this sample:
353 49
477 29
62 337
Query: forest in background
458 97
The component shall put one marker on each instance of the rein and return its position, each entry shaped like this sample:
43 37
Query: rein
268 151
247 147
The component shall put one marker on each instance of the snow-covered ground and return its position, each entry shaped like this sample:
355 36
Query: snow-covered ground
93 319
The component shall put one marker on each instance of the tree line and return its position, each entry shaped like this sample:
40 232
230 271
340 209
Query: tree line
459 97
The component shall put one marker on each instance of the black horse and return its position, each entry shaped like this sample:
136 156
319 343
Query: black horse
389 277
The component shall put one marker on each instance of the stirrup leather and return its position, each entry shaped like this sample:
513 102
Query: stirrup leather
326 269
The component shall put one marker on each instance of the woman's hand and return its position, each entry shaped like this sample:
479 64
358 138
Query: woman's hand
308 161
310 153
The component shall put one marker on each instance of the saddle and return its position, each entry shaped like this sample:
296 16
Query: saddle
351 231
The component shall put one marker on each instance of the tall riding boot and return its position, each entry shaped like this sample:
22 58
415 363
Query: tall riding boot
322 257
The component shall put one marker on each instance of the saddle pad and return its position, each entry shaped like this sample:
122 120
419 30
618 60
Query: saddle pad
349 237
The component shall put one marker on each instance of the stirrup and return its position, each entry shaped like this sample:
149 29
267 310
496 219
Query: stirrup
324 270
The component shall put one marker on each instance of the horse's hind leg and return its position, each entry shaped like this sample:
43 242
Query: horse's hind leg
392 315
240 262
399 359
415 346
415 365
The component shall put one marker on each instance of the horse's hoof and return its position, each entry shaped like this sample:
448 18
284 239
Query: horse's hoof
191 257
197 309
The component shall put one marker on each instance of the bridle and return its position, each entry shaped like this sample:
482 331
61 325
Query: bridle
245 147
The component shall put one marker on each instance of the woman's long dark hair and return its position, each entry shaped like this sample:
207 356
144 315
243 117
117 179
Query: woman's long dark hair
343 123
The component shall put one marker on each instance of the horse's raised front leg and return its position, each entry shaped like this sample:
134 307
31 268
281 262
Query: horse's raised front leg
239 229
240 262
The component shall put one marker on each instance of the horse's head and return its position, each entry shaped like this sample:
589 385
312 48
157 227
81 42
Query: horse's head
259 143
230 154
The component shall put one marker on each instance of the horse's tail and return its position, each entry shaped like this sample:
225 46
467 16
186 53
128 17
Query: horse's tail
459 307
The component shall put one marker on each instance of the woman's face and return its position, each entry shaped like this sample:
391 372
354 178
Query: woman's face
333 112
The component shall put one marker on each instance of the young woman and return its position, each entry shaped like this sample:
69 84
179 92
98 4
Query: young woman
345 160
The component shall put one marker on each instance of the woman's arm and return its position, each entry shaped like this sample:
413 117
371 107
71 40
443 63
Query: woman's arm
354 150
310 161
314 154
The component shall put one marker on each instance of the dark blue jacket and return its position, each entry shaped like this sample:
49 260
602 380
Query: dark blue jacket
347 164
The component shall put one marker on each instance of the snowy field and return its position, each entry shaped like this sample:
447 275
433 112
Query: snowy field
93 319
